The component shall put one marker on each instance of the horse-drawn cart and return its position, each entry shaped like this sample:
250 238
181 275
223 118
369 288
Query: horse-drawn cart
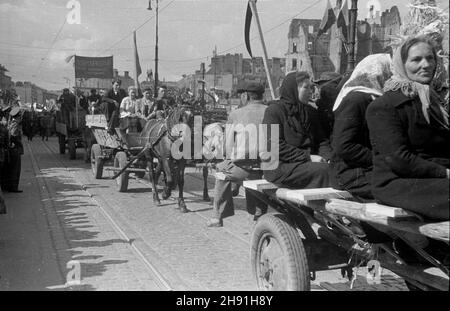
70 131
324 229
119 148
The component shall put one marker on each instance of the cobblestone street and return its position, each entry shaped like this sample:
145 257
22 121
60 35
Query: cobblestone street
121 240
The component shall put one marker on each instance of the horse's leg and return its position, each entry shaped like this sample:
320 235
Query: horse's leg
168 182
206 197
152 180
158 172
180 177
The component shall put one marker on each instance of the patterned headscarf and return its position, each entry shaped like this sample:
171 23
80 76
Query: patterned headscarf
368 77
412 89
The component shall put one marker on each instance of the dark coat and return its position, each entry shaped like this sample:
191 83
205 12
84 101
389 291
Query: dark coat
111 104
410 156
300 135
328 94
121 94
351 162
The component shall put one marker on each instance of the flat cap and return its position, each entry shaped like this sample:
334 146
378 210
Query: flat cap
14 111
254 87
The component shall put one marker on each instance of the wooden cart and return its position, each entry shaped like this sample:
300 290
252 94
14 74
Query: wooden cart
313 230
70 132
117 148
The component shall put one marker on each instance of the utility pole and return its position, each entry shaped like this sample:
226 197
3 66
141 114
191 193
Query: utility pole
353 13
156 44
263 45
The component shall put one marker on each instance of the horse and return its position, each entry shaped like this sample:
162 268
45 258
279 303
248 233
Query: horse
157 138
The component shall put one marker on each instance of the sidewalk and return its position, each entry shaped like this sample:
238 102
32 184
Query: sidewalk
28 259
53 222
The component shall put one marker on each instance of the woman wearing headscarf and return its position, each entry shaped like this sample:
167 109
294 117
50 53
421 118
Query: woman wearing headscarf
409 130
351 161
303 148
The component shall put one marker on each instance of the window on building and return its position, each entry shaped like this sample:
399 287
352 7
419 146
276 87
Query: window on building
311 29
294 64
310 45
294 47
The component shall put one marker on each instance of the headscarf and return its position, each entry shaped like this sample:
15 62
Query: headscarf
368 77
289 98
412 89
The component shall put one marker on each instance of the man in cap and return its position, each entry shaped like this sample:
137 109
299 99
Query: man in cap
328 87
11 170
241 151
67 103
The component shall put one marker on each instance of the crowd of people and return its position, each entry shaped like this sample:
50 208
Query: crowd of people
381 134
122 108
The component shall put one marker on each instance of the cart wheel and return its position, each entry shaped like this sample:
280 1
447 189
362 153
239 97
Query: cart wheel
119 162
62 144
97 161
72 149
278 257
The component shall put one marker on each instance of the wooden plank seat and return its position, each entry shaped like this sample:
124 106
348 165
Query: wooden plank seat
337 202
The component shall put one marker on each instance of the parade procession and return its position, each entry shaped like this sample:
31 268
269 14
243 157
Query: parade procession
224 146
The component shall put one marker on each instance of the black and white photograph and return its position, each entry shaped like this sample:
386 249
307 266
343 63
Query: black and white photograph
223 149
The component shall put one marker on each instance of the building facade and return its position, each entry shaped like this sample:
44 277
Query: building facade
306 51
5 80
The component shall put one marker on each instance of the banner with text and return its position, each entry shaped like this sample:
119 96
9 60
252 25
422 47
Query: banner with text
93 67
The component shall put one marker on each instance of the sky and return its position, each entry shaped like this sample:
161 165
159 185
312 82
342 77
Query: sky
35 38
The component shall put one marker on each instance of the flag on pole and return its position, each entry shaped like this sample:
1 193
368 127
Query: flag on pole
328 19
248 23
137 67
342 20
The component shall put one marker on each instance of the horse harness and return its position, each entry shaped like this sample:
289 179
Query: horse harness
162 127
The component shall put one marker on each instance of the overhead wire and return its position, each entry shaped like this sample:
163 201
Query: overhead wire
51 46
137 28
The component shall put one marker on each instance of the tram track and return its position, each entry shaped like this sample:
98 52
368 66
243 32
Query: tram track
137 245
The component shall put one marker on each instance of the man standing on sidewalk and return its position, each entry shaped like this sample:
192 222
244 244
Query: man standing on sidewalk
4 154
244 153
11 171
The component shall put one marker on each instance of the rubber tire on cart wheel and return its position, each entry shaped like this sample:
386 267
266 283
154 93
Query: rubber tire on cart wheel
72 149
62 144
119 162
97 161
278 257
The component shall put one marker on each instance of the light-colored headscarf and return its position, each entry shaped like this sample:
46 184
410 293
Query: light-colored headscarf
368 77
401 81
